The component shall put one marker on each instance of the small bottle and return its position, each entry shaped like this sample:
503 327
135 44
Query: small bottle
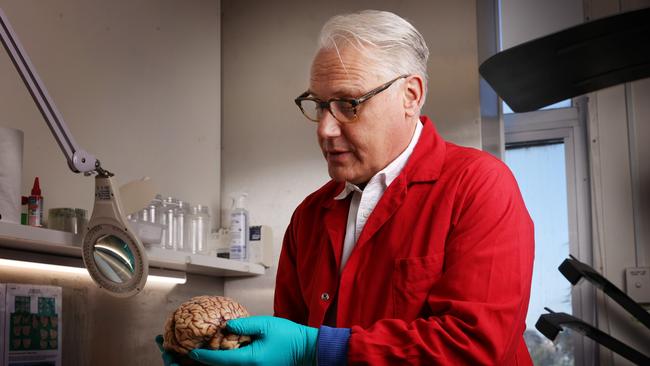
180 218
199 229
154 210
35 206
170 221
239 230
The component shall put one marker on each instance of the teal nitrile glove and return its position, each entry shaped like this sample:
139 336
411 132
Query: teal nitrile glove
275 341
168 359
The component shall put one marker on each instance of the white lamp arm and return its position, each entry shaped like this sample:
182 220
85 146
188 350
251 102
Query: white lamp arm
79 160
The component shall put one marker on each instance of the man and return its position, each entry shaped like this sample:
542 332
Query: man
417 251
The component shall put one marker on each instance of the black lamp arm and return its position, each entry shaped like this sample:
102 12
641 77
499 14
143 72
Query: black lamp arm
574 270
551 324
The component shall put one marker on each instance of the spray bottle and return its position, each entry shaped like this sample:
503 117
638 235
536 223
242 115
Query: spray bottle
239 230
35 206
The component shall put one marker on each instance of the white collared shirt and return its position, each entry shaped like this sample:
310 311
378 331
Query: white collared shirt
364 201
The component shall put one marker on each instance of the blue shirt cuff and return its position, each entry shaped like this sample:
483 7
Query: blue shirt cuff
333 346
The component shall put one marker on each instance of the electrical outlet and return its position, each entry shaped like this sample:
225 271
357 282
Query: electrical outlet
637 283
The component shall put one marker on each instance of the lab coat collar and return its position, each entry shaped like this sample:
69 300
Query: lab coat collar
425 164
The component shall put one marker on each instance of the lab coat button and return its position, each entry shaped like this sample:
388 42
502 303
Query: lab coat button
325 296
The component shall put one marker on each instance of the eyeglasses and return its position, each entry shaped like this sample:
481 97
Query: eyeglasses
345 110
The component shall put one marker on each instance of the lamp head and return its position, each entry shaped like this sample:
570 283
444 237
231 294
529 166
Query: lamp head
112 253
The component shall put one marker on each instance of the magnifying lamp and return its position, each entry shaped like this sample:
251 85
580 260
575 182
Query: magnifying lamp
113 255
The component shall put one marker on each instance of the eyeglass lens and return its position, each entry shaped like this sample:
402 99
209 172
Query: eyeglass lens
341 110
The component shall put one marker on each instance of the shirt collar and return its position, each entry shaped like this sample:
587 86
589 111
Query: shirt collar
387 175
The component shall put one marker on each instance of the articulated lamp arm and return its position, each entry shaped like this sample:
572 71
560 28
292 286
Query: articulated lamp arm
79 160
551 324
107 230
574 271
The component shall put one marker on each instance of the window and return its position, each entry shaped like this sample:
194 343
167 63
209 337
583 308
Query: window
539 167
546 152
562 104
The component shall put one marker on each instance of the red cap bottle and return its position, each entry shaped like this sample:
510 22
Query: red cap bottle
35 205
36 188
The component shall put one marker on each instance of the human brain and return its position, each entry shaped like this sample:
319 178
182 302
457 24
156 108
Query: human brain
200 322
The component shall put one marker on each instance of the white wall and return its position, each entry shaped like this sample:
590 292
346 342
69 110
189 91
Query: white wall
618 131
101 330
640 124
619 120
138 83
270 149
524 20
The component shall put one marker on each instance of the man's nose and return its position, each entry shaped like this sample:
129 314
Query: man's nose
328 126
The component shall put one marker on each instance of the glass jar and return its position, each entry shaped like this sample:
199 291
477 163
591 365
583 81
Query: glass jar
72 220
82 220
149 213
169 236
182 225
63 219
199 231
154 210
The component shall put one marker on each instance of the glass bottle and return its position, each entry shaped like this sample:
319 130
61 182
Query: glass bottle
152 212
182 225
199 229
170 204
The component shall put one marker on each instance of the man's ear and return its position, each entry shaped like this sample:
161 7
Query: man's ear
413 95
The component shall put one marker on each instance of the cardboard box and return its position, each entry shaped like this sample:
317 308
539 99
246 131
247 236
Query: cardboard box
33 325
3 289
260 245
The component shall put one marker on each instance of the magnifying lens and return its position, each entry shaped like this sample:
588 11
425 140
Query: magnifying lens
111 252
113 255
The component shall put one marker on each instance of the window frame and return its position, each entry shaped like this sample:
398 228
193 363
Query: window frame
569 125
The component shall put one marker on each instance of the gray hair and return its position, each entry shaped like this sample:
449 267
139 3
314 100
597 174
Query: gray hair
387 39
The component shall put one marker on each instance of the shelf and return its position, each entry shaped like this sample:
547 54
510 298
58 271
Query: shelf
201 264
60 243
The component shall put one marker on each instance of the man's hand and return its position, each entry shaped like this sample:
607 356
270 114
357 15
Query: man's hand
168 359
275 341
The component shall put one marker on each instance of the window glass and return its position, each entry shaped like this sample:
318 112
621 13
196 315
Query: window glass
539 168
563 104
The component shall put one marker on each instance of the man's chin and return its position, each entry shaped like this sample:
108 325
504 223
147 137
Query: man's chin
345 176
337 175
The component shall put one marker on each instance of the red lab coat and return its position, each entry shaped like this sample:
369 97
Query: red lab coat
440 274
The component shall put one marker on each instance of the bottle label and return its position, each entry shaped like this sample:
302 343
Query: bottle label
255 233
35 211
238 236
